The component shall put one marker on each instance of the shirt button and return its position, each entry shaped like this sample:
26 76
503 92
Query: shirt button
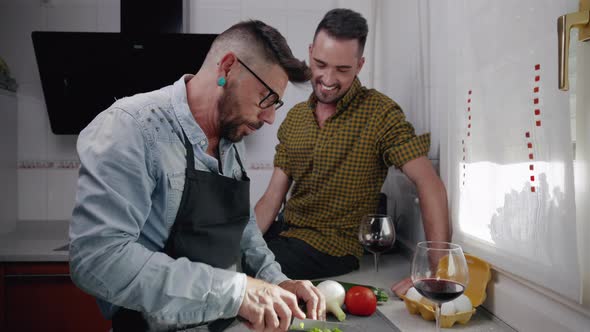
202 142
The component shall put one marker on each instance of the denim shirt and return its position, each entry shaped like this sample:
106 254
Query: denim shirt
129 188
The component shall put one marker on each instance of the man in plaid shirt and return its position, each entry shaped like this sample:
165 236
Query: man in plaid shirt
333 154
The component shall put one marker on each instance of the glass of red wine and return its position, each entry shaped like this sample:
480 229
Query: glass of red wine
439 273
377 234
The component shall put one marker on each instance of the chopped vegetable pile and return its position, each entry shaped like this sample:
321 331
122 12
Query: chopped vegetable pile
315 329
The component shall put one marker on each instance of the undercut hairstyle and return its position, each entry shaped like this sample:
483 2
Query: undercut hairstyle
255 42
345 24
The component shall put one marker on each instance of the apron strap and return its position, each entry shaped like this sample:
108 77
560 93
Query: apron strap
240 161
190 154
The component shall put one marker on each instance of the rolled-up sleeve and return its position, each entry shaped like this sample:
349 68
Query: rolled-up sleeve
117 177
281 159
397 141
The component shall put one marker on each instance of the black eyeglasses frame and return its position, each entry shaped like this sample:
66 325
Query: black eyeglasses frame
276 100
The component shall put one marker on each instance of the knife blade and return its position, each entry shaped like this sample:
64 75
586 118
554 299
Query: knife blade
308 324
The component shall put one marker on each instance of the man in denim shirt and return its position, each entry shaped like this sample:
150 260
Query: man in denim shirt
162 210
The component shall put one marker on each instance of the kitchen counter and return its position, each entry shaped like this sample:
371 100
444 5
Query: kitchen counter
393 267
35 241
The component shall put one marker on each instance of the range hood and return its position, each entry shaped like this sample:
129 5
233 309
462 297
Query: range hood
83 73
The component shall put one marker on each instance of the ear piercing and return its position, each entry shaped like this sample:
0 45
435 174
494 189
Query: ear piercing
221 81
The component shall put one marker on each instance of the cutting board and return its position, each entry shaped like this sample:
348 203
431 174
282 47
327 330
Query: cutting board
374 323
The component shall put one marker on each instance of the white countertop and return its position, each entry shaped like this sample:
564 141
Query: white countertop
35 241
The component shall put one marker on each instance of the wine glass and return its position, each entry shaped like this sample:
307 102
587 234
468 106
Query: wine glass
439 273
377 234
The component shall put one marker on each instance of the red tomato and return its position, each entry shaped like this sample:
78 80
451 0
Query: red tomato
360 301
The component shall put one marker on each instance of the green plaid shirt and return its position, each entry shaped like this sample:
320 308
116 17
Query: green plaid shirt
338 170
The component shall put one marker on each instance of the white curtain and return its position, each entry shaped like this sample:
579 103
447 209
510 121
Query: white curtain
582 165
401 65
507 151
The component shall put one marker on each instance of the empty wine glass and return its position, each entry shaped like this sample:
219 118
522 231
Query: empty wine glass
377 234
439 273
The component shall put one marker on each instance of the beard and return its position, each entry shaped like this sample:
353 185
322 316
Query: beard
230 120
327 98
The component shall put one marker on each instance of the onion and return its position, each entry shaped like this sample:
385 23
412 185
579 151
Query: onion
334 293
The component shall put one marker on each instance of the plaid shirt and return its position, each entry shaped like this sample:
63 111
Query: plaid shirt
338 170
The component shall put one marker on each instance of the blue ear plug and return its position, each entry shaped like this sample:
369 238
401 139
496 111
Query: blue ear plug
221 81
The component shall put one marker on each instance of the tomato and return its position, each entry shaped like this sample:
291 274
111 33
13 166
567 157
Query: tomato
360 301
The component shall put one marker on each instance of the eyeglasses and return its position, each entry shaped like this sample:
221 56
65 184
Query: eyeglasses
272 98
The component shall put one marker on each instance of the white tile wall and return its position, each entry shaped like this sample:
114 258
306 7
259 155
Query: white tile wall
33 126
61 147
312 6
301 26
212 20
108 16
274 17
70 17
45 193
32 194
8 181
19 18
61 193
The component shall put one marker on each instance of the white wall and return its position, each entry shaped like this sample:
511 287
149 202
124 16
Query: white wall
47 171
8 187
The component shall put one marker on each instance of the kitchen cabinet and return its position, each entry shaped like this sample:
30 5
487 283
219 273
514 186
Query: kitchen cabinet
37 296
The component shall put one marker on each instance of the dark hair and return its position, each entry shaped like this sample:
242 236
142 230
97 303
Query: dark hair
345 24
268 44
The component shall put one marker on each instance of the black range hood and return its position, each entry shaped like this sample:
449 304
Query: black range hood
83 73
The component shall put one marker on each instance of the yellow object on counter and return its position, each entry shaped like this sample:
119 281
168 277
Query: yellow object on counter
479 276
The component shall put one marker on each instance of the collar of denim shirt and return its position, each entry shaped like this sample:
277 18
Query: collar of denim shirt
180 104
193 131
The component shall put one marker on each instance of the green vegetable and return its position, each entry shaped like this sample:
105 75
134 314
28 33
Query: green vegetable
380 293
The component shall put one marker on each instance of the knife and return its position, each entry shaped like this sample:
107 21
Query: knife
308 324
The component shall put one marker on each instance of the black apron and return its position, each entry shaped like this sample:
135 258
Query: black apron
208 228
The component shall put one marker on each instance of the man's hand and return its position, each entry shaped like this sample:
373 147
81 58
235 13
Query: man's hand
315 301
401 288
267 307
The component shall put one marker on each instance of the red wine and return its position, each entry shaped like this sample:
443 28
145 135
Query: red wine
376 246
439 290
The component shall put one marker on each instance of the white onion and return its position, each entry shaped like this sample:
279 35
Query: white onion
334 293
